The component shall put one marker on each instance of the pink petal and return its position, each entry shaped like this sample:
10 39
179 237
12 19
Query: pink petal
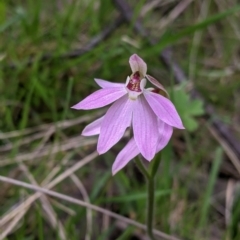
93 128
164 109
114 124
145 128
106 84
129 152
101 98
156 83
137 64
165 133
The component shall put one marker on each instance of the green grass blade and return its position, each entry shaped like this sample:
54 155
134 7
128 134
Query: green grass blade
127 234
135 197
169 39
99 185
210 186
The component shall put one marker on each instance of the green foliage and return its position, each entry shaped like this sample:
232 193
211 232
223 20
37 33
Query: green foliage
188 108
3 12
136 196
170 38
212 180
42 93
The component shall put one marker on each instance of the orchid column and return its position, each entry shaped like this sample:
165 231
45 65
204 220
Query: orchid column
150 115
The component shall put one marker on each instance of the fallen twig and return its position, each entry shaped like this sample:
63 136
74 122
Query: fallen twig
50 185
85 204
56 125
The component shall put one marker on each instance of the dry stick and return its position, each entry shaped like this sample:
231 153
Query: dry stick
51 149
179 75
50 185
57 125
24 141
229 201
153 4
75 142
84 204
41 145
9 227
105 218
52 218
56 169
228 150
45 203
64 208
86 198
197 39
181 6
46 135
50 176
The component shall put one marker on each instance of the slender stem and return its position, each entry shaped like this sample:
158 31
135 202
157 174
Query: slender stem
150 207
151 195
150 199
151 190
142 168
155 165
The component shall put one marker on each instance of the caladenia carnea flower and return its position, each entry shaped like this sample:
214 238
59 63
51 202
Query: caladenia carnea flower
151 115
131 150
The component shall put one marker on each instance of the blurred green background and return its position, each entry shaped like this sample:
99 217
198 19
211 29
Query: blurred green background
197 185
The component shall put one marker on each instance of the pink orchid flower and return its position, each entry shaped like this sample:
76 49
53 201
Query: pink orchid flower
131 150
150 115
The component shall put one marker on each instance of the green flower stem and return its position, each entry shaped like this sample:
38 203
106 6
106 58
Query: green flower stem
150 207
155 164
150 178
